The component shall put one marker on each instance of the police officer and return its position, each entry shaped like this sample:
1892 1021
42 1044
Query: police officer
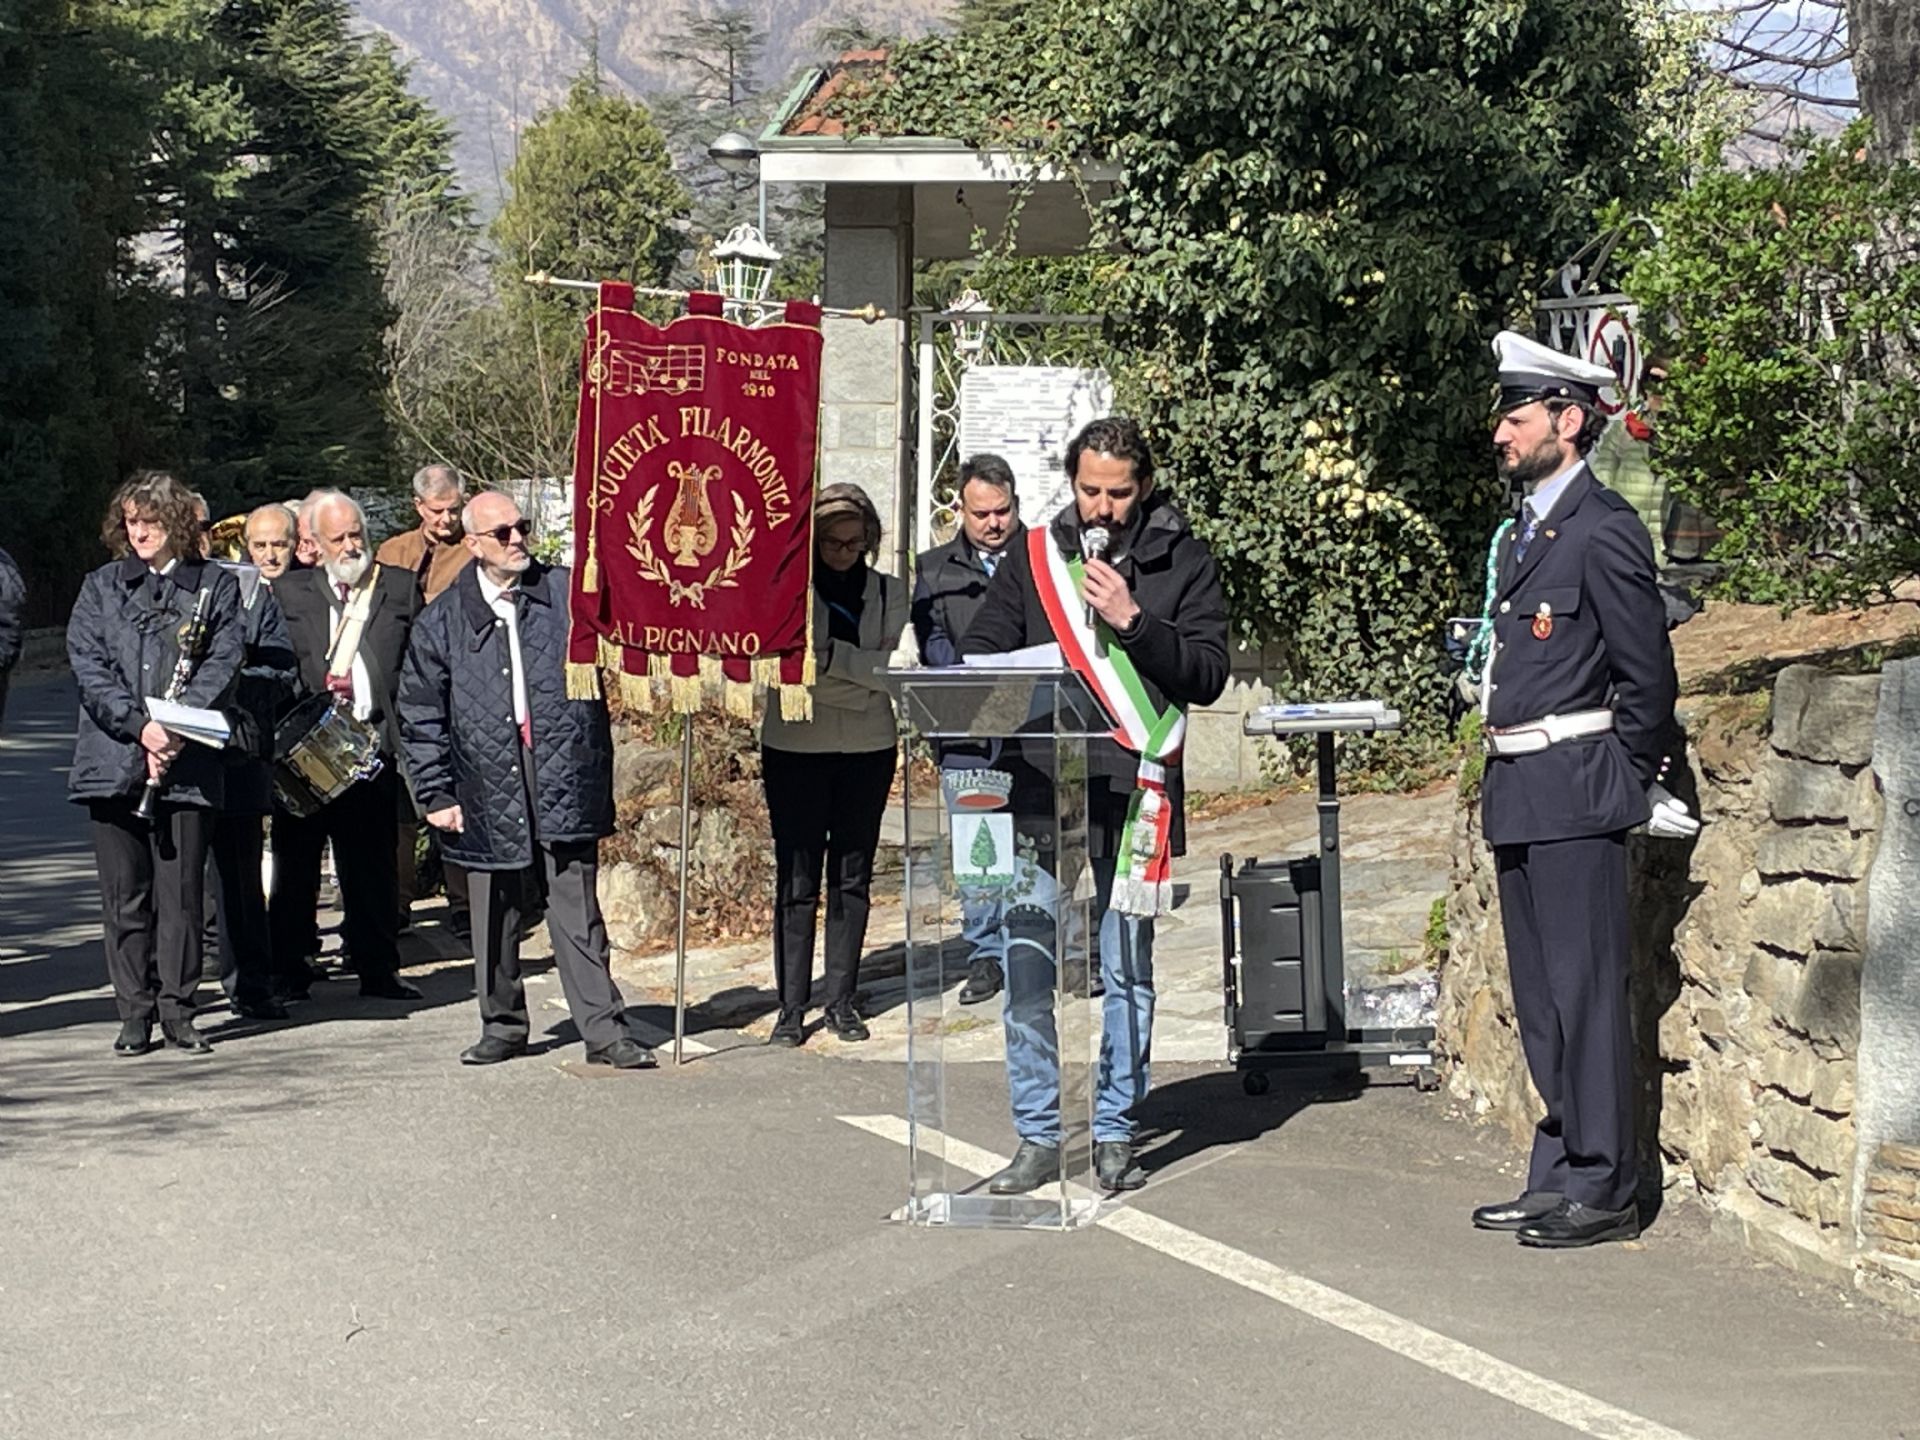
1577 694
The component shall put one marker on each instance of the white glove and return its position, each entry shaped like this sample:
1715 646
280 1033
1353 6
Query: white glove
1671 820
906 655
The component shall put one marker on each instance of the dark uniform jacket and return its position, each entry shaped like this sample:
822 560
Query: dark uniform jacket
1578 625
949 584
266 679
462 747
13 604
310 603
1178 643
123 641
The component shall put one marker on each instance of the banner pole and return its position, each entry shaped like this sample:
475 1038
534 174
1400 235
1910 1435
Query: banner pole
869 313
686 844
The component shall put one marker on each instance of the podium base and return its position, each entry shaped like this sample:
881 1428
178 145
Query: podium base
1042 1210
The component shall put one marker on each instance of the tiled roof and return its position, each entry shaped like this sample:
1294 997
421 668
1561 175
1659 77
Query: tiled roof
810 118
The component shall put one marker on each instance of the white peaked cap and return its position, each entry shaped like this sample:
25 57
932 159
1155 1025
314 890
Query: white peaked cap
1530 371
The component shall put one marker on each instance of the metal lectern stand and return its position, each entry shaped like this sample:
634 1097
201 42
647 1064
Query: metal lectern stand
1283 941
1004 872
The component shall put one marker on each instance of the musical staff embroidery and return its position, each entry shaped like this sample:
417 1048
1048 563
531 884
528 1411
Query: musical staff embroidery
625 367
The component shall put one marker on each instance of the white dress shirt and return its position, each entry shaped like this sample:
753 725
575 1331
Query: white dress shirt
501 599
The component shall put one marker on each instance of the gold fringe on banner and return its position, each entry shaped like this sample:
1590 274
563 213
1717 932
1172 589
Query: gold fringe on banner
737 698
637 692
796 703
685 690
583 681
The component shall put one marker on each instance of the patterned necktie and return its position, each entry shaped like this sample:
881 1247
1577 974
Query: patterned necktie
1526 535
990 559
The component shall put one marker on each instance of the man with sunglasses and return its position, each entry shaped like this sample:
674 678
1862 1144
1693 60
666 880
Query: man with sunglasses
518 780
1577 694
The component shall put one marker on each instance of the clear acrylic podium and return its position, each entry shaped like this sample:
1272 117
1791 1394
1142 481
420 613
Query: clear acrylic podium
997 864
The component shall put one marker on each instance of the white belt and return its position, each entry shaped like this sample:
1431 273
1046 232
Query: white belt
1537 735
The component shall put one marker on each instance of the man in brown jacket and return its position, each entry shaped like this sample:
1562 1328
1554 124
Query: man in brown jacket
434 552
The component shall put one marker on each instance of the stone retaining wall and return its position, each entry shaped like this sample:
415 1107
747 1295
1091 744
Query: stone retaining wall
1747 969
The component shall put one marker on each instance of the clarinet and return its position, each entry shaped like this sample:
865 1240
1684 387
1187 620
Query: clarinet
193 635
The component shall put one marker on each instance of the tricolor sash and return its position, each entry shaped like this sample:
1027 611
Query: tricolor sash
1143 868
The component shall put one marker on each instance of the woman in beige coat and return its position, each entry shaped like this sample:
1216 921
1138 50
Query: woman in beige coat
827 778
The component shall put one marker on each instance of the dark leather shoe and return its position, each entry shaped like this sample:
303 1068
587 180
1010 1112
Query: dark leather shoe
1033 1165
1114 1167
789 1030
984 981
844 1023
491 1050
623 1054
1573 1225
1512 1214
258 1009
182 1036
136 1037
389 987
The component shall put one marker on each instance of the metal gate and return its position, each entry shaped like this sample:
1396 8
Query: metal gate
951 342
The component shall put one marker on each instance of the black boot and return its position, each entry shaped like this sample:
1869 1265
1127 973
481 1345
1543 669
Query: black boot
984 981
1033 1165
136 1037
1113 1165
789 1030
182 1036
844 1022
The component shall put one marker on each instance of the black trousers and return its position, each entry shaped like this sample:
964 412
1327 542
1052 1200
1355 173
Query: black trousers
1564 904
568 875
151 878
825 810
249 963
360 825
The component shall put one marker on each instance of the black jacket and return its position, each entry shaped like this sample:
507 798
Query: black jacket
949 584
310 603
123 642
266 679
13 604
1577 625
1178 643
462 747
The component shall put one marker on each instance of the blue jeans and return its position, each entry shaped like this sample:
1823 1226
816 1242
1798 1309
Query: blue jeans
1126 1042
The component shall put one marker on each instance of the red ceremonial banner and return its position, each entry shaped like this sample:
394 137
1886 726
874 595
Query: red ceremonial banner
693 503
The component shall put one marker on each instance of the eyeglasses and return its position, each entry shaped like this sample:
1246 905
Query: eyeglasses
500 534
843 547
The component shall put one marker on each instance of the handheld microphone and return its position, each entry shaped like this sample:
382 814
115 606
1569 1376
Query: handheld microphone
1093 546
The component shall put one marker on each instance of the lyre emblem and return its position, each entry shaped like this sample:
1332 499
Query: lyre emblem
692 530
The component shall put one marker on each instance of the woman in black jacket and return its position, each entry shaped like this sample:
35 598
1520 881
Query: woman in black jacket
124 643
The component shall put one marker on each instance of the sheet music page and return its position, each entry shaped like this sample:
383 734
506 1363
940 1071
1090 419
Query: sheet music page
1033 657
208 727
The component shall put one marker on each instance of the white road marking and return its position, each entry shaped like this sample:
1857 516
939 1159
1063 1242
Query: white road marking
1559 1403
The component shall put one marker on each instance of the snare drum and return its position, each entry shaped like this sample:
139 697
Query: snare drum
319 750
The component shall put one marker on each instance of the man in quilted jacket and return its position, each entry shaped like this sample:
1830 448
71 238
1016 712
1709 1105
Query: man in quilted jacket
518 780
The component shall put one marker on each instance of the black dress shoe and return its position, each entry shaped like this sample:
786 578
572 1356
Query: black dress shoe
844 1022
625 1053
1113 1166
1033 1165
789 1030
1512 1214
268 1009
984 981
136 1037
182 1036
491 1050
1573 1225
389 987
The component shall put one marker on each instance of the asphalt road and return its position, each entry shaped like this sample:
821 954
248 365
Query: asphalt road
331 1229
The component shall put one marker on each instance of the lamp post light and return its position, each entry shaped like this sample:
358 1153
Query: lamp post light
734 152
743 265
969 335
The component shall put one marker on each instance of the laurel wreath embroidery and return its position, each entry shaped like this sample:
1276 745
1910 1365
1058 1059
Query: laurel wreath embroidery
724 576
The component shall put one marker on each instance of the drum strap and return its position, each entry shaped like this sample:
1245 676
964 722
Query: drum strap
346 640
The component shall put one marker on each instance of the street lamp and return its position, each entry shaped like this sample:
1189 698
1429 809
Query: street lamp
744 263
734 152
969 335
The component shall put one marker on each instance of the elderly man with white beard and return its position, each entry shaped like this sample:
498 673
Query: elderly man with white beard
347 592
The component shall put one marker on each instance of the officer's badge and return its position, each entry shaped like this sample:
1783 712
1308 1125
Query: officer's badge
1543 621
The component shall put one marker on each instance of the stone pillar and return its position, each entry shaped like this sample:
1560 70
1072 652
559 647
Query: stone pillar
1888 1107
864 374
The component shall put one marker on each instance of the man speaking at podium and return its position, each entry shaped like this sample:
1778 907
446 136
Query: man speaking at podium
1132 597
